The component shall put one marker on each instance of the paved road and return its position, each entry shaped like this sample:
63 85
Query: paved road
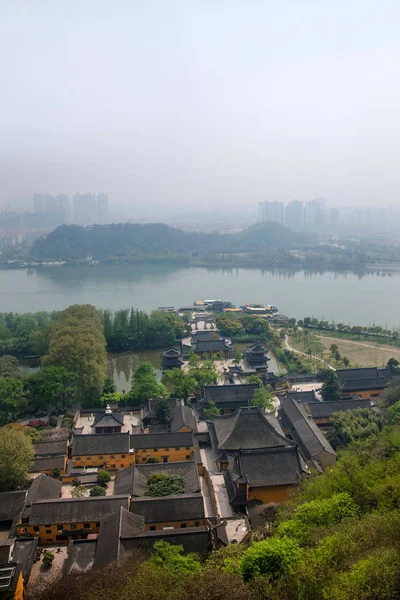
289 347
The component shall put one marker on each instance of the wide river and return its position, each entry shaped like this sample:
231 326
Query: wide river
345 297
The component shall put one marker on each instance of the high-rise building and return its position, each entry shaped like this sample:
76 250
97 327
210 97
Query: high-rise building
102 209
272 212
85 212
294 214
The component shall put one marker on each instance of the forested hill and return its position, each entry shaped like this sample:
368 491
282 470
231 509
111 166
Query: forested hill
70 242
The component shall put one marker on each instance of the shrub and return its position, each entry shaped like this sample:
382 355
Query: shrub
52 421
97 490
103 477
160 484
48 558
271 557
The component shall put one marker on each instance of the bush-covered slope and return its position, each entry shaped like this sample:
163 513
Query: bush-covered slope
118 240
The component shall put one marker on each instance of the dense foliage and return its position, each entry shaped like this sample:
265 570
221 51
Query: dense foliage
77 343
26 333
353 425
124 241
162 484
16 454
145 385
134 329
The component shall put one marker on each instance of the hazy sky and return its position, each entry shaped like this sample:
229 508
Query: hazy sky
201 102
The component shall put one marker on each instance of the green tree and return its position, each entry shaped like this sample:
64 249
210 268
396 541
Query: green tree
183 384
263 399
109 386
9 367
97 490
254 379
12 399
271 557
48 558
394 413
79 491
162 484
114 398
392 364
103 478
171 557
16 454
163 411
353 425
145 385
330 391
77 343
212 409
237 356
50 386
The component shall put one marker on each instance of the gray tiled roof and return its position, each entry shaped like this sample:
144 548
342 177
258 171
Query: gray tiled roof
100 443
304 397
266 468
11 504
161 440
81 554
133 480
181 507
47 463
246 428
305 432
183 416
321 410
371 378
122 523
24 554
43 487
241 395
50 448
211 346
111 419
75 510
193 539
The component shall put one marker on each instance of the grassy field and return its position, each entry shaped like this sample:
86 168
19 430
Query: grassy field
362 354
359 353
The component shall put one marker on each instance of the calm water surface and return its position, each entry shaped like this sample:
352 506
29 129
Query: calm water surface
345 297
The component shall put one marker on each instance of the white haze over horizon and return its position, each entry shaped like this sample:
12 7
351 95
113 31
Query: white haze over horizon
200 104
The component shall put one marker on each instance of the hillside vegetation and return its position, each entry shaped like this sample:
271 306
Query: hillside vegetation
73 242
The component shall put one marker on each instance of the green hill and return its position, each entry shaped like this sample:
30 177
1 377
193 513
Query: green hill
72 242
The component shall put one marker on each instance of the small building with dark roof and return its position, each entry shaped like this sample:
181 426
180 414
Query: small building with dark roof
267 475
299 425
64 519
121 523
11 505
256 356
165 447
247 428
81 555
171 359
43 487
367 383
228 398
56 448
108 421
183 419
134 479
48 464
176 511
107 450
149 412
321 412
214 346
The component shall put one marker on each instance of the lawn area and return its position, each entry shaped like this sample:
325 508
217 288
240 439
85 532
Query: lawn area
361 354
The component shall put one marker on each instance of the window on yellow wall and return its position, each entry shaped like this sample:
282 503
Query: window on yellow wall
166 449
155 449
177 448
101 456
112 456
123 455
89 458
187 447
78 457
